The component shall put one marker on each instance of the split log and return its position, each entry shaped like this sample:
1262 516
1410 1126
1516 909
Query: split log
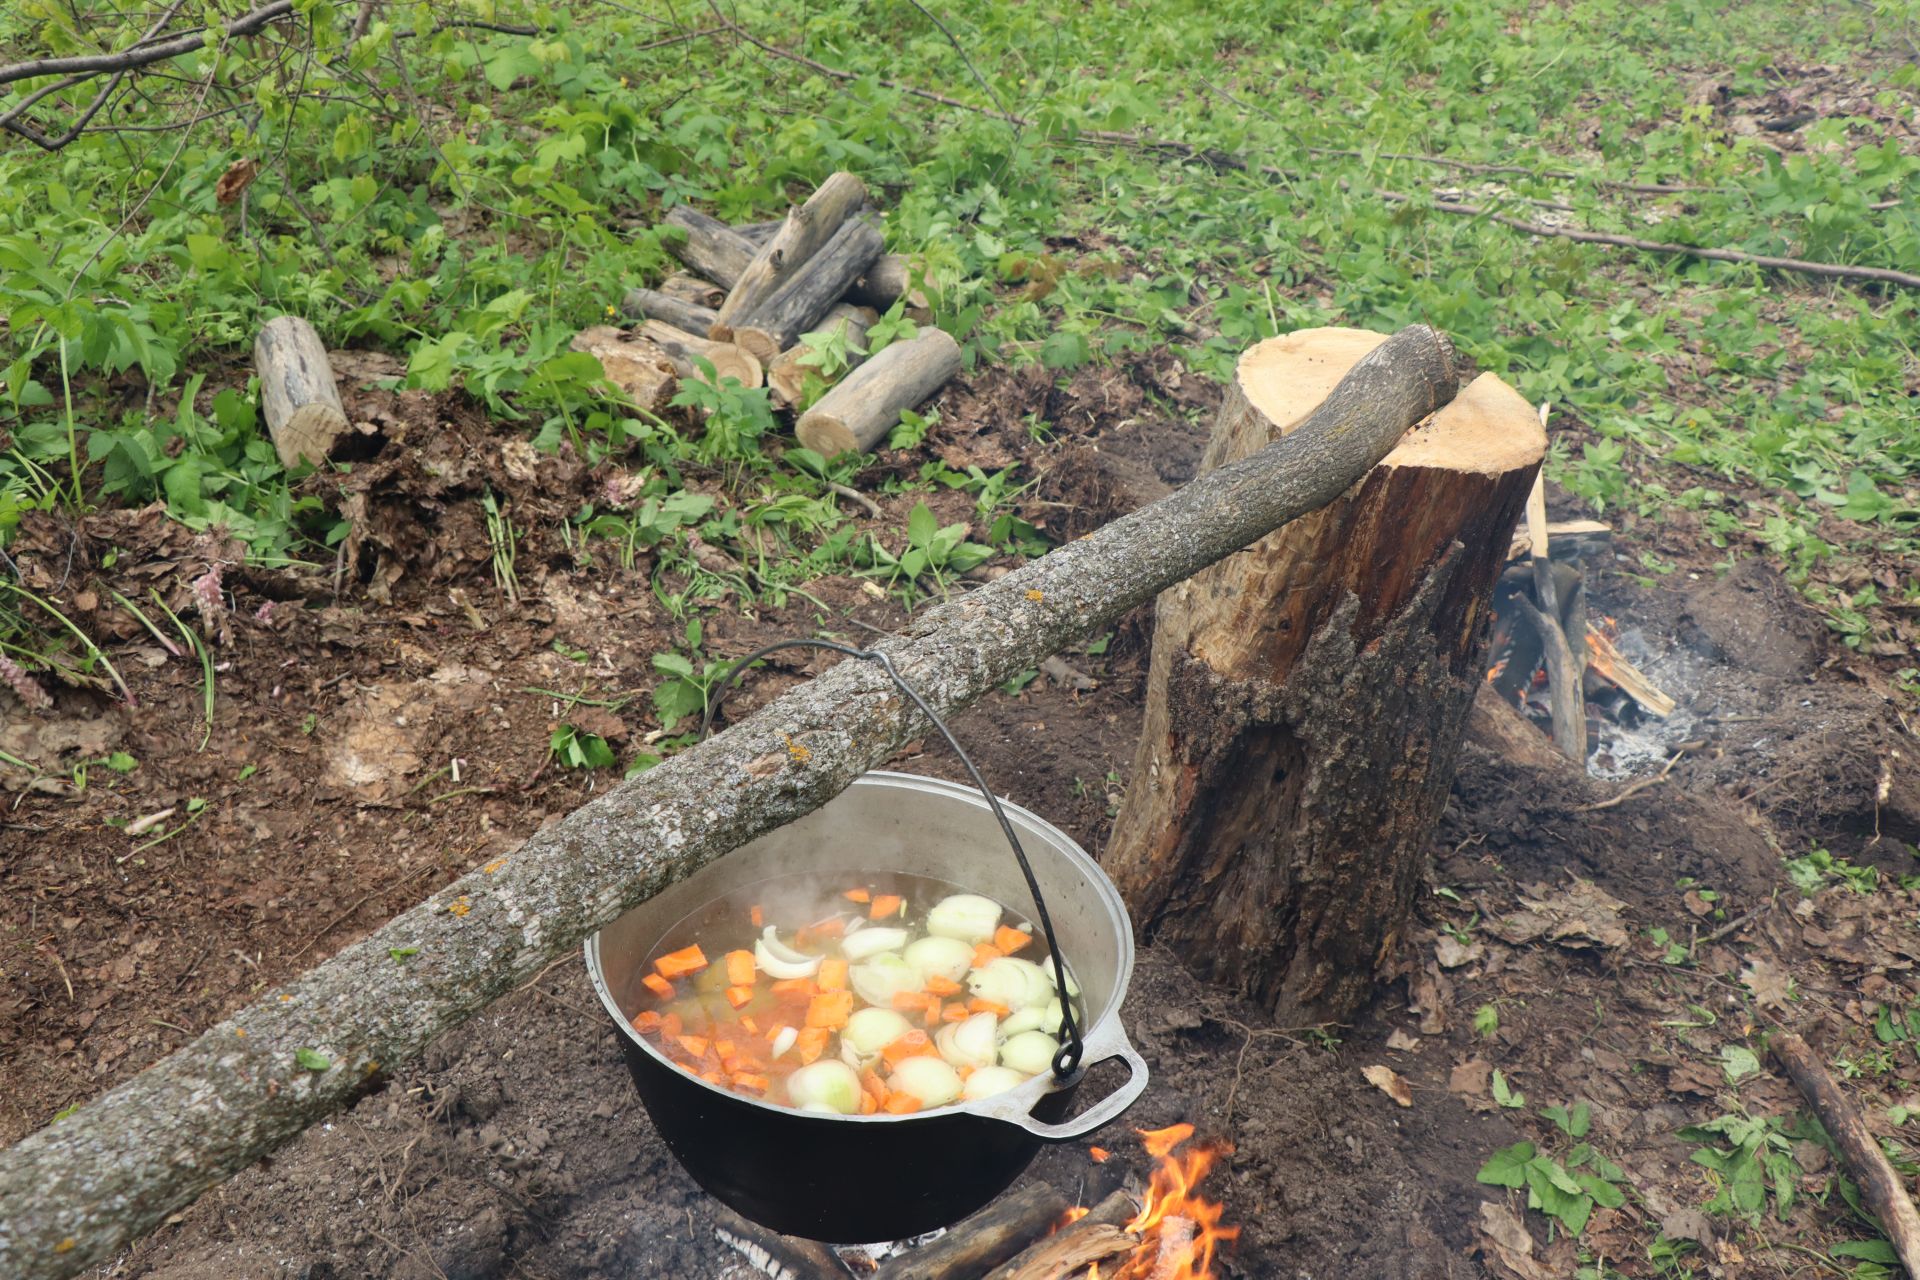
298 395
647 374
887 281
1880 1186
692 289
1585 536
1094 1237
728 360
76 1191
1566 667
857 414
712 248
985 1240
787 375
651 304
808 230
1305 700
806 295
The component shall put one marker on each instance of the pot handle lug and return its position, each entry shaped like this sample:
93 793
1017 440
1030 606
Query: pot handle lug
1112 1043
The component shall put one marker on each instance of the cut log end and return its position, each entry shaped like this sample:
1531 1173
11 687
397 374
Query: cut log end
859 412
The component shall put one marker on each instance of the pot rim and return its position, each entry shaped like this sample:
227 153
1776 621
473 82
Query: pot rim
996 1106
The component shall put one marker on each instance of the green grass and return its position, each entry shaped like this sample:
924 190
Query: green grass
470 199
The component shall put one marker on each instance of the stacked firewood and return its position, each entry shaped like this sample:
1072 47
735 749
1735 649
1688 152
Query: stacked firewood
751 292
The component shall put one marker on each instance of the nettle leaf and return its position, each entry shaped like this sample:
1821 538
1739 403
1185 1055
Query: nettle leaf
1507 1168
1738 1062
312 1059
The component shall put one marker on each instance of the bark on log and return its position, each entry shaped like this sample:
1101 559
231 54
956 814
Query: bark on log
1880 1186
808 230
787 375
1092 1238
651 304
888 280
1305 700
985 1240
74 1192
692 289
712 248
728 360
760 232
806 295
858 413
298 395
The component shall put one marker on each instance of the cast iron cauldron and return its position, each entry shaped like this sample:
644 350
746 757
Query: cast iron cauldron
850 1179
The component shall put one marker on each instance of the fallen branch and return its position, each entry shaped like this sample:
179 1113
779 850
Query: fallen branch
1880 1187
1218 159
76 1191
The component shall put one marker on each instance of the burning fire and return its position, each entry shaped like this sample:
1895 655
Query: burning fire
1178 1229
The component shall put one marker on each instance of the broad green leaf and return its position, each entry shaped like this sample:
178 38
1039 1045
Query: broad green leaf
1507 1168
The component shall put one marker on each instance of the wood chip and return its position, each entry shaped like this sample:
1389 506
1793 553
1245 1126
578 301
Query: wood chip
1389 1082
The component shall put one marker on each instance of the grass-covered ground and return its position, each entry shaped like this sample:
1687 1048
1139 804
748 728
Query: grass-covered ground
469 199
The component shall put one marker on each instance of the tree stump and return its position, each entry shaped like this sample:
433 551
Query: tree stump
1307 696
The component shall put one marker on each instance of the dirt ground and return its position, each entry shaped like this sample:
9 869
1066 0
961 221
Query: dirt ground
327 798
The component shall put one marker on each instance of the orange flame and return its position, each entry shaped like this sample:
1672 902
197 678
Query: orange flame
1178 1230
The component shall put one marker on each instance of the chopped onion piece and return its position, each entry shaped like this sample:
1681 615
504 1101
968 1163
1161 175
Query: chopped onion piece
1032 1018
947 958
871 1030
878 980
966 916
779 968
969 1043
780 950
784 1041
1012 982
1030 1051
1052 970
987 1081
928 1079
826 1085
871 942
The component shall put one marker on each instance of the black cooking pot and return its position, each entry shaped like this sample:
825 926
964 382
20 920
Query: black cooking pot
853 1179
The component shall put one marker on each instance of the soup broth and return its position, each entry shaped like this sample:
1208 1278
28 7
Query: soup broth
861 994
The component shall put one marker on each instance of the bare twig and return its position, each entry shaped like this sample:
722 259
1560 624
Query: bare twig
853 495
1633 789
144 54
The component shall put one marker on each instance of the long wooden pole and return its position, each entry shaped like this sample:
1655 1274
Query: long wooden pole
76 1191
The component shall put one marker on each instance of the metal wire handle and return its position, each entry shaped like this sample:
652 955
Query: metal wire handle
1067 1060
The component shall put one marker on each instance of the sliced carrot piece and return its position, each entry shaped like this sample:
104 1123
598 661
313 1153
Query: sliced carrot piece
715 1077
884 905
812 1043
905 1000
943 987
773 1032
994 1007
912 1044
696 1046
647 1021
738 996
873 1085
900 1104
795 988
833 974
740 968
867 1105
670 1027
758 915
678 964
1008 940
934 1010
955 1012
857 895
830 1009
831 927
749 1026
984 954
751 1081
658 985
